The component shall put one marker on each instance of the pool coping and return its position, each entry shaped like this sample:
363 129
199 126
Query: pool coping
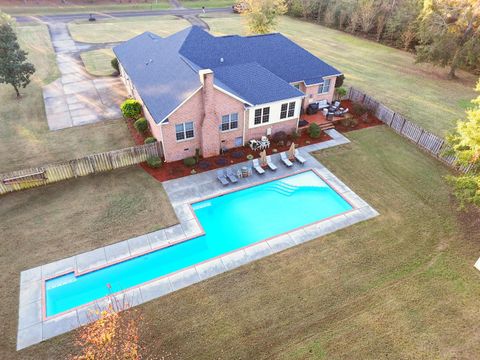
34 326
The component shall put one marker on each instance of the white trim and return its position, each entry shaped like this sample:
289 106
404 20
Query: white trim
183 102
230 94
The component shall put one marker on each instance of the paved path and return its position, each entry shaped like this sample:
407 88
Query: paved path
33 328
65 18
78 98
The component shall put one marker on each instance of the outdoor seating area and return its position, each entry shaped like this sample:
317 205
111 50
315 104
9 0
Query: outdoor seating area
260 166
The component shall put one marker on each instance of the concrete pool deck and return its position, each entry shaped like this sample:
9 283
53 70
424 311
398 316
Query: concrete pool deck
34 327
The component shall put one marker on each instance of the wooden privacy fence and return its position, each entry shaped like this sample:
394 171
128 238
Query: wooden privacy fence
91 164
427 141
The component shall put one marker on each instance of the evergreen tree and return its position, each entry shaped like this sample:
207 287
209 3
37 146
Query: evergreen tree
14 67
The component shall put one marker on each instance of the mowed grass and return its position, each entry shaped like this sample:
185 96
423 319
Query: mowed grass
399 286
420 92
197 4
114 30
46 224
97 62
25 139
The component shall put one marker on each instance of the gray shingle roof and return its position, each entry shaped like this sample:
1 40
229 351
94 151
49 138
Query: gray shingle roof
257 69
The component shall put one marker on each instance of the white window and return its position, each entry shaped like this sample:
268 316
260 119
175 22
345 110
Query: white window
230 122
184 131
262 116
325 87
287 110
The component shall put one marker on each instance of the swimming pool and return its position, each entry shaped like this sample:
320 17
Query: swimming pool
231 221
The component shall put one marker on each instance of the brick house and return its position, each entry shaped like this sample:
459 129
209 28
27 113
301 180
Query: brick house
204 92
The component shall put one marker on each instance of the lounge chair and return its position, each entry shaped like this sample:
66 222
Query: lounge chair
270 163
285 159
221 177
257 167
231 176
299 157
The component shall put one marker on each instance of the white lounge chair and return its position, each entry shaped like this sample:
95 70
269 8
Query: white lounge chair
231 176
270 163
257 167
285 159
299 157
221 177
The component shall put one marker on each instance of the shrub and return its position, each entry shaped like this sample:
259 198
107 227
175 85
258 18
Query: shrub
115 65
154 161
249 157
190 161
349 122
341 92
466 189
359 109
279 136
131 108
295 135
141 125
314 131
197 155
365 119
149 140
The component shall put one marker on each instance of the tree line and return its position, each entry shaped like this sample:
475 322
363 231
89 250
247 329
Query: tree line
441 32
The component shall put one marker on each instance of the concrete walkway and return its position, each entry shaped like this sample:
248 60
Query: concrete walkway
34 328
78 98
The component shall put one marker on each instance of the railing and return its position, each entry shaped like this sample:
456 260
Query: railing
424 139
91 164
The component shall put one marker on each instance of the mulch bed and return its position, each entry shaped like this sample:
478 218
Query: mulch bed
177 169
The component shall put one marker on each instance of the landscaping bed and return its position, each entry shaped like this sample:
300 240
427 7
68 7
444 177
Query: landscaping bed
177 169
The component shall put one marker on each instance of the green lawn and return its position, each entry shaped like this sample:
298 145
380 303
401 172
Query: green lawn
113 30
42 225
72 9
399 286
197 4
97 62
25 139
420 92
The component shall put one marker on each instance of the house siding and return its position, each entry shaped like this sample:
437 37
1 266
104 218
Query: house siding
312 95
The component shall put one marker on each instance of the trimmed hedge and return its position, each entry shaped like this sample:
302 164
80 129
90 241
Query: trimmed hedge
190 161
154 161
149 140
114 63
314 131
141 125
131 108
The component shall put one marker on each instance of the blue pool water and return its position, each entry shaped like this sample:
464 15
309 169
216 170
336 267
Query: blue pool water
231 221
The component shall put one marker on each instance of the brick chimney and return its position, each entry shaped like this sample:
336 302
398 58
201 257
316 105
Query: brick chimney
210 136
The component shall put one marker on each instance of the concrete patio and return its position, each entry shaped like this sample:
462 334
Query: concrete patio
34 328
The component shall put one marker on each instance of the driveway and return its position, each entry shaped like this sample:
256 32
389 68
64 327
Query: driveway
78 98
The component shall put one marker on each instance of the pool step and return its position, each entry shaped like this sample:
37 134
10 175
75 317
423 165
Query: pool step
284 188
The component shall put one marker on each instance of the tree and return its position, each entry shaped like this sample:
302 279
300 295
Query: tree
114 335
262 15
465 144
14 67
449 34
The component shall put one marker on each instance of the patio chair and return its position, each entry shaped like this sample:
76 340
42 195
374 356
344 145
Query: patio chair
323 104
257 167
231 176
336 103
270 163
299 157
285 159
221 177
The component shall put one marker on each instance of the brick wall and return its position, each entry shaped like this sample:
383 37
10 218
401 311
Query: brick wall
312 95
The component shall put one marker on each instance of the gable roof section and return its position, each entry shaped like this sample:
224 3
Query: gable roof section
254 83
274 52
160 75
256 69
